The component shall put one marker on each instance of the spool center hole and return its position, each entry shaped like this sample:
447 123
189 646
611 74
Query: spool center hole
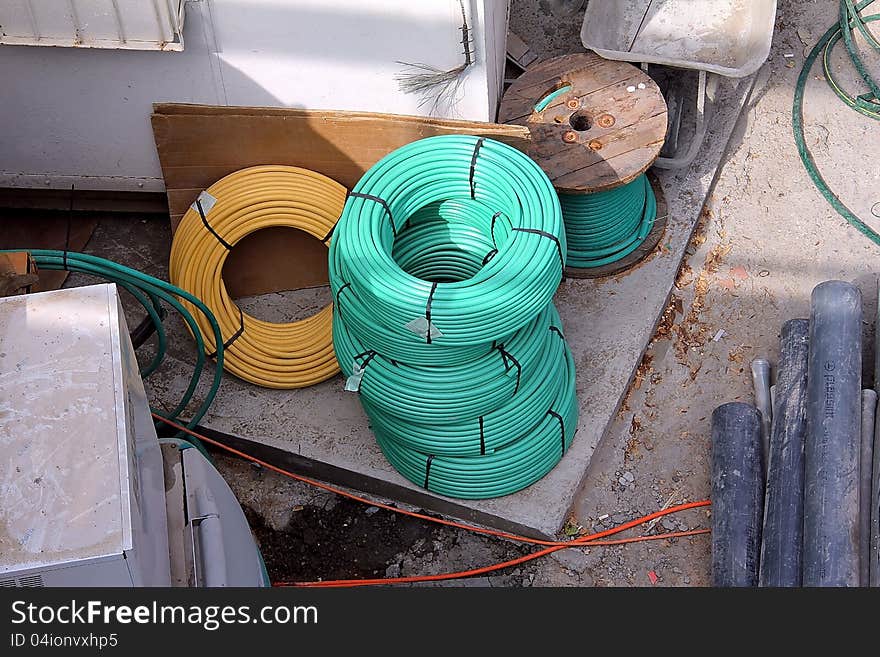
580 121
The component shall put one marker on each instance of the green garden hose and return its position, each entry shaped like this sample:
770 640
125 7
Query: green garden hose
850 19
150 292
407 318
604 227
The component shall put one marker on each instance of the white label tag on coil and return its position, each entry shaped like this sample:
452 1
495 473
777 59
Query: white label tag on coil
353 383
420 327
207 200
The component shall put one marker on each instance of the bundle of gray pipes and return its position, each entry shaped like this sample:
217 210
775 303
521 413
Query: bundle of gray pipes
795 488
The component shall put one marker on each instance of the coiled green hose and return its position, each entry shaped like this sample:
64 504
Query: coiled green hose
604 227
379 300
849 20
485 433
150 292
439 394
445 242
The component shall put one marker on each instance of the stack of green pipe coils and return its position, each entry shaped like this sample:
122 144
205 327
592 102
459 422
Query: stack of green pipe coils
868 104
443 266
604 227
152 293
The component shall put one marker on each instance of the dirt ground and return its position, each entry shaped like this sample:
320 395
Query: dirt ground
765 238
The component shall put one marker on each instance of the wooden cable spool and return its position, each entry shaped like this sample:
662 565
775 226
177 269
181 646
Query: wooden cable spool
604 131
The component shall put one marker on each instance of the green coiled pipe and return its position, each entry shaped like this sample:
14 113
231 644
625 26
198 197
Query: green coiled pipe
485 433
378 299
505 470
465 237
438 394
604 227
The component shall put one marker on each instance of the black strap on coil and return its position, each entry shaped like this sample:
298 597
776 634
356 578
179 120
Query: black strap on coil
494 250
330 232
507 355
381 202
477 148
213 232
482 438
338 292
561 426
367 355
235 336
543 233
428 312
428 470
557 332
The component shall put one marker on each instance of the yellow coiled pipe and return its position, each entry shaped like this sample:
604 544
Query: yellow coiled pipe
289 355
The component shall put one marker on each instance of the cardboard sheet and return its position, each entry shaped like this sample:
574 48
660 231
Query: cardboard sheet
199 144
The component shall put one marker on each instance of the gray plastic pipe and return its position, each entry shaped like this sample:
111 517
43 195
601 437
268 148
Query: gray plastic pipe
874 554
764 403
783 535
737 494
869 409
833 441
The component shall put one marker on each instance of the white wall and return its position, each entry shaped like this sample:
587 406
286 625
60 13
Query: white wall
81 116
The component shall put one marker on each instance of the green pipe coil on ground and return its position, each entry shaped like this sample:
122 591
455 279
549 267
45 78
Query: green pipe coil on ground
443 266
509 468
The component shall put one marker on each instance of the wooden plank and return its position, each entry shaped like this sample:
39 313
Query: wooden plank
199 144
606 130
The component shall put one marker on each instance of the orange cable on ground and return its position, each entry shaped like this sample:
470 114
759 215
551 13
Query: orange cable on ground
588 540
344 583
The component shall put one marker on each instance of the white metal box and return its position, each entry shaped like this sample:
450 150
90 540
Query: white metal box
82 499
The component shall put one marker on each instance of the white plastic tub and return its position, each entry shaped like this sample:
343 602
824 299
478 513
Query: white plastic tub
727 37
